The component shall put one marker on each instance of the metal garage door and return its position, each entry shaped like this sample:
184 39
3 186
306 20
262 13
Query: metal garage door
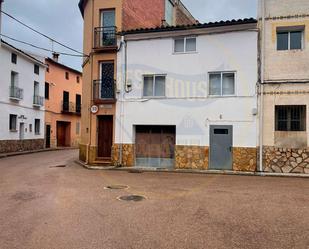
155 146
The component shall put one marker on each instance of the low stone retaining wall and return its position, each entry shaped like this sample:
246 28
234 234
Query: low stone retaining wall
281 160
8 146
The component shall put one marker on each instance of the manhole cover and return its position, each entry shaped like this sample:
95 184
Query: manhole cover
135 198
117 187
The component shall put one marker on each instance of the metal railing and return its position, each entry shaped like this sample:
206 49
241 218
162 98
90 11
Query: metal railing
16 93
70 107
104 89
38 100
105 37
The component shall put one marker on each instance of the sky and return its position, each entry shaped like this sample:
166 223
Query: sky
61 20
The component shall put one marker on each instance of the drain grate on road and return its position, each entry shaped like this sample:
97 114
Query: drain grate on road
58 166
117 187
134 198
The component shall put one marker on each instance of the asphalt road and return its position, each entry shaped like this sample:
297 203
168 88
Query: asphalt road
67 207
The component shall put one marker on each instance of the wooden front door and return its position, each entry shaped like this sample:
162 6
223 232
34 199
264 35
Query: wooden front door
63 134
105 136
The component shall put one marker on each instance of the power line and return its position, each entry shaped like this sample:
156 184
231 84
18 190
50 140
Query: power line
41 48
38 32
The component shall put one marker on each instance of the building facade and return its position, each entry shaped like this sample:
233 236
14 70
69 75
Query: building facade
22 79
188 97
63 98
284 54
102 21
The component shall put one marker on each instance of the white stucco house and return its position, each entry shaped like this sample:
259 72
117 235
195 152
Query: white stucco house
22 78
187 97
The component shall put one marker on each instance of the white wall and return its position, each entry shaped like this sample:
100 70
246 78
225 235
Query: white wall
26 78
187 104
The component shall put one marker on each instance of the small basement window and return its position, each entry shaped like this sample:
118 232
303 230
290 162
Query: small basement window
290 118
290 38
185 45
154 86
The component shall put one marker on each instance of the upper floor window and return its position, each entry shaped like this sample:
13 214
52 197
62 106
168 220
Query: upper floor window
14 58
169 12
46 90
290 118
154 86
77 79
185 45
36 69
108 18
290 39
14 79
37 126
222 84
67 75
47 68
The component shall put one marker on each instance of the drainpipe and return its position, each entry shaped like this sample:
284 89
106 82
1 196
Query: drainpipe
262 86
122 94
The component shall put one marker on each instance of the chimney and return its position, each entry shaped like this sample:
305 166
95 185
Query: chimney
55 56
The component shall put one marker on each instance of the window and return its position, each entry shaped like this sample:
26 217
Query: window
36 69
13 122
77 128
77 79
169 12
222 84
67 76
30 127
46 90
14 58
290 40
154 86
290 118
47 68
14 79
185 45
37 124
78 99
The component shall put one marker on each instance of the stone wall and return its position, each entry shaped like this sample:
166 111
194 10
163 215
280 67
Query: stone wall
281 160
128 155
7 146
191 157
245 159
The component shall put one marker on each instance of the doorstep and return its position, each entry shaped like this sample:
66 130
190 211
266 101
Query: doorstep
191 171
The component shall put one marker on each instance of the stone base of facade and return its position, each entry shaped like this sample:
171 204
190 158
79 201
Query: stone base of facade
245 159
8 146
92 154
283 160
191 157
128 155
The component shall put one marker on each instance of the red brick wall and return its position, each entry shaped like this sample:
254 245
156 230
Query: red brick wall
142 13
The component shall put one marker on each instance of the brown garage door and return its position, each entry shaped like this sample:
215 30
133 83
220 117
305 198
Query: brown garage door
155 146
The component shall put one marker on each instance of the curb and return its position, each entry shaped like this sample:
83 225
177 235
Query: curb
190 171
21 153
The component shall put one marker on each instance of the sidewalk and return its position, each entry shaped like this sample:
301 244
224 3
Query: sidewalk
190 171
19 153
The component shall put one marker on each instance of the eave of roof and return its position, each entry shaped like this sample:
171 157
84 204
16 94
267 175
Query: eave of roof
50 60
24 53
81 6
189 27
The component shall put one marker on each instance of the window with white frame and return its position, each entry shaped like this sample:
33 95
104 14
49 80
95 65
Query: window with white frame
154 86
222 84
290 38
37 126
185 45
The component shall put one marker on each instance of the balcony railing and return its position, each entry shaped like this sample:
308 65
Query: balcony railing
38 100
105 37
16 93
104 90
70 107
